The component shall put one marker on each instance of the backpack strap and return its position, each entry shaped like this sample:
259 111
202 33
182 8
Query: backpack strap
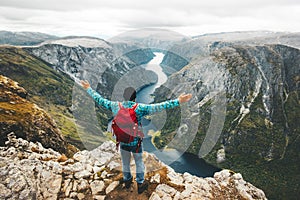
134 106
139 145
120 105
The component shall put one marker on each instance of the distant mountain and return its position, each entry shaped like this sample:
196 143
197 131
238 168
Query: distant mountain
154 38
24 38
76 41
199 47
253 37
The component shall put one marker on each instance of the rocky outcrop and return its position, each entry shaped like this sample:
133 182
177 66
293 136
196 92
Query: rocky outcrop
26 119
260 87
30 171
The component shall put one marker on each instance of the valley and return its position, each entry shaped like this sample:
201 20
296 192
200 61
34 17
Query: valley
247 84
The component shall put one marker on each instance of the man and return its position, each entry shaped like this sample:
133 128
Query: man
133 148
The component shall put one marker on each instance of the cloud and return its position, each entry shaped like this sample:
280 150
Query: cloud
71 5
96 17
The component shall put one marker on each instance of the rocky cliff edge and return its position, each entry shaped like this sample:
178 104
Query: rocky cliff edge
30 171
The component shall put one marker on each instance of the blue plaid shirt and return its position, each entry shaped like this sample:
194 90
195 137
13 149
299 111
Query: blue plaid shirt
141 110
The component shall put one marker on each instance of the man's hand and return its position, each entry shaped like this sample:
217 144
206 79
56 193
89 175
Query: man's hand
85 84
184 98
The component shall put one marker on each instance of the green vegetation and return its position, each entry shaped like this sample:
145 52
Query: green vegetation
267 154
51 90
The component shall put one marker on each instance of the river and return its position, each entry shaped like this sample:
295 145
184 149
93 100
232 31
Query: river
180 162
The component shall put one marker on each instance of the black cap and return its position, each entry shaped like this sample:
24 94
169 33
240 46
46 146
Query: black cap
129 94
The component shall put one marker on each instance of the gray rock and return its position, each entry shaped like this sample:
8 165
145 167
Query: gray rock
75 184
83 185
97 186
81 156
73 194
89 168
175 178
188 178
27 179
97 169
56 167
103 174
154 196
54 184
177 196
99 197
108 146
17 183
67 187
82 174
111 187
222 177
155 178
25 194
77 167
113 164
103 158
163 189
4 192
96 177
187 192
201 184
167 197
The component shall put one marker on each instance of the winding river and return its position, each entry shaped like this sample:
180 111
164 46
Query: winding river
180 162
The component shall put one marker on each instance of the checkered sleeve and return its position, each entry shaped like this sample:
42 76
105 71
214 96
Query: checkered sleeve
146 109
110 105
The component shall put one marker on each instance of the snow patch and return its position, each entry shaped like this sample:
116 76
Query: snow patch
265 97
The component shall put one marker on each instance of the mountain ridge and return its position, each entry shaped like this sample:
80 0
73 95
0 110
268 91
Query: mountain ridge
23 38
262 101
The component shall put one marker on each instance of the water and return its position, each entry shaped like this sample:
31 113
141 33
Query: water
144 96
179 161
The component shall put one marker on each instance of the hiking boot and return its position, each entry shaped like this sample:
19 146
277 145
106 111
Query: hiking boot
128 183
142 187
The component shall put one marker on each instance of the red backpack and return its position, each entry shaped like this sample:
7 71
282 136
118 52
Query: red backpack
125 126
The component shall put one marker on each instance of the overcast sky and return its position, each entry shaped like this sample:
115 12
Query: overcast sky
109 18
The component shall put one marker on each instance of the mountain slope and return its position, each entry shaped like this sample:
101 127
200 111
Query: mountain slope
27 120
261 132
50 89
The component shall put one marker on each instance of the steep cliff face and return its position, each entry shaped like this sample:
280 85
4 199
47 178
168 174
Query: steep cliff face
92 59
261 131
26 119
30 171
46 87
